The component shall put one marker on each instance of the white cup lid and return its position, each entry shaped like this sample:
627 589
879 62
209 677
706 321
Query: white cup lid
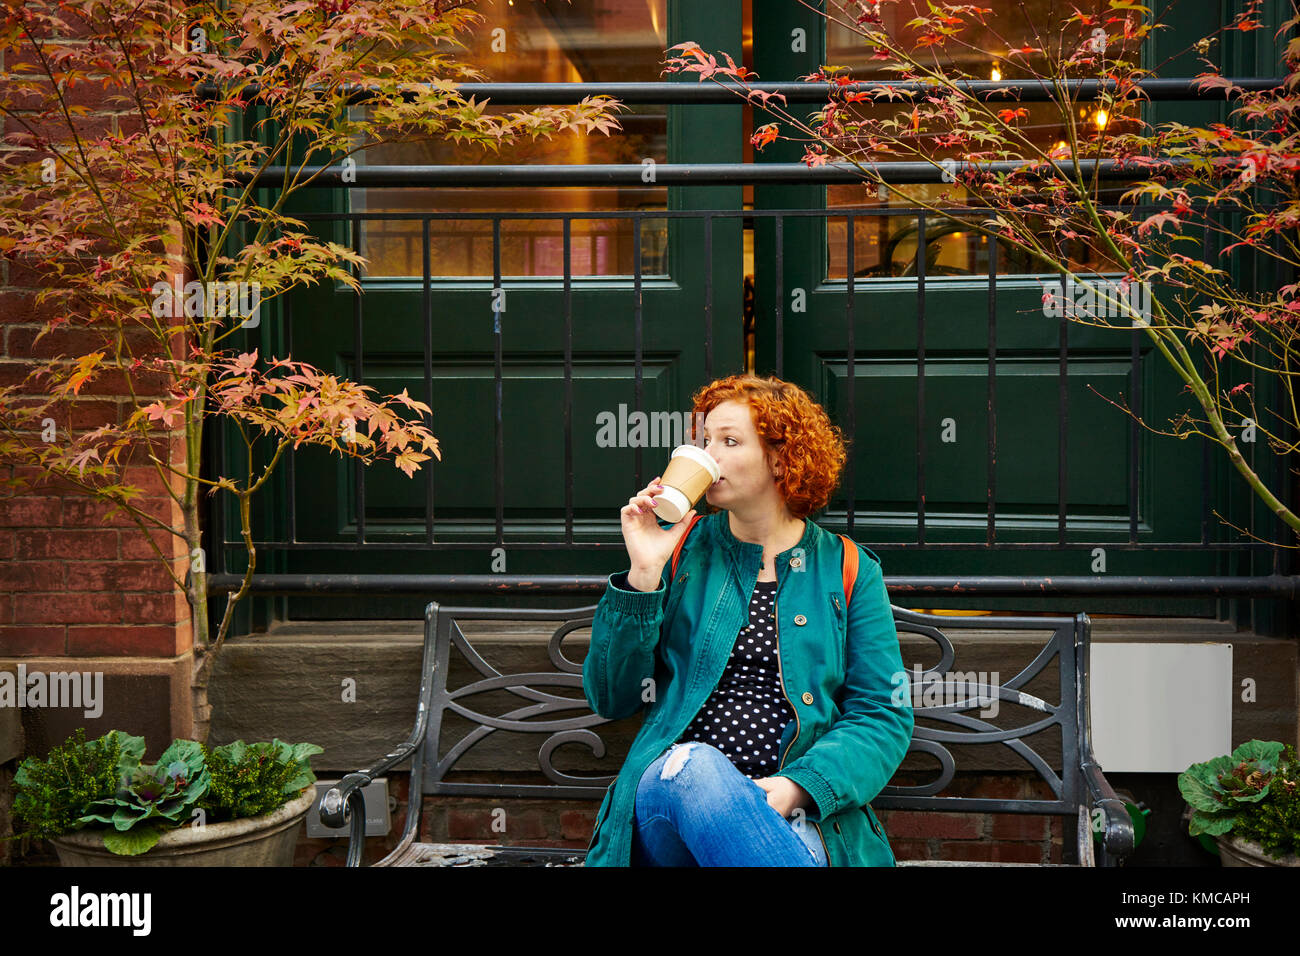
696 453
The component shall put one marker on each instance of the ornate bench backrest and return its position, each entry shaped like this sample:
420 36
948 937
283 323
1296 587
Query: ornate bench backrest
542 695
539 703
955 718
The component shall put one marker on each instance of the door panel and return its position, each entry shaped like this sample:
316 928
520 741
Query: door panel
893 323
702 264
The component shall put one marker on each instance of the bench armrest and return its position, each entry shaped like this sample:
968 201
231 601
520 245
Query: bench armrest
332 803
1117 844
345 800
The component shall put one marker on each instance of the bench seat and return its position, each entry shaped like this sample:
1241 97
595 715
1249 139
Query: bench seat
464 854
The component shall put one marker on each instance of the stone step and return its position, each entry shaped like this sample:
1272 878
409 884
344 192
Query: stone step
352 686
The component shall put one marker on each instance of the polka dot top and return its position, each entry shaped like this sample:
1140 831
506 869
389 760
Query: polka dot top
747 712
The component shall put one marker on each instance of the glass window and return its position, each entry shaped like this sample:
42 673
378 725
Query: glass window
540 42
886 246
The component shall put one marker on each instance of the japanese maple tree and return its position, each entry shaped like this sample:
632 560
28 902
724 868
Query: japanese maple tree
130 227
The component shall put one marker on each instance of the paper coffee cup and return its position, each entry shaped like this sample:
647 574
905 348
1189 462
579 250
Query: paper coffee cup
689 473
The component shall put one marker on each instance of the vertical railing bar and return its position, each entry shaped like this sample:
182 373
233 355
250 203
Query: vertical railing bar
1279 471
1135 406
992 436
498 294
636 319
920 377
850 349
1256 270
359 469
291 459
1205 444
780 296
1248 518
1281 272
1062 409
1205 492
427 304
568 381
708 300
1251 509
219 501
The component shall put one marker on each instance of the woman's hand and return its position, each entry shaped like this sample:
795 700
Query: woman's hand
648 546
784 795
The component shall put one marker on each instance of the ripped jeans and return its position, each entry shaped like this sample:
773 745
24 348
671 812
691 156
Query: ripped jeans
694 808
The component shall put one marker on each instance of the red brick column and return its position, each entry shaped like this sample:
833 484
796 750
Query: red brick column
80 591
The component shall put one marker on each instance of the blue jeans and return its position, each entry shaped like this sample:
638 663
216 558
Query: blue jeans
694 808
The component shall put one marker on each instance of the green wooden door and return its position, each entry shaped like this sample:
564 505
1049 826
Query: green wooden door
689 290
923 401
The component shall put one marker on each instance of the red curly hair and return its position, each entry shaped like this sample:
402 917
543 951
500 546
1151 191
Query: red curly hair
811 450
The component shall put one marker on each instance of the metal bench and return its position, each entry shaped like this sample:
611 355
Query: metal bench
1080 792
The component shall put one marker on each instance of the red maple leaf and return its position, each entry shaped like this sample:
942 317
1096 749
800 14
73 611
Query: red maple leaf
201 214
763 135
159 411
814 157
1157 222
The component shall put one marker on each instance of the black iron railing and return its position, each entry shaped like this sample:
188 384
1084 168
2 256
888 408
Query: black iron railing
427 540
1276 584
688 92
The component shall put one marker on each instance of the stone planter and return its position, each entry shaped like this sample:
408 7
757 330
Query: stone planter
1234 851
267 840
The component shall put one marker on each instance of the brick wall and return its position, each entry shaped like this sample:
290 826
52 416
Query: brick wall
557 823
983 837
77 591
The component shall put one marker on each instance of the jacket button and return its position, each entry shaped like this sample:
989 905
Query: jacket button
796 562
807 698
800 620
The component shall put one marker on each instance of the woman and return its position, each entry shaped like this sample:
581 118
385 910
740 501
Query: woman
770 718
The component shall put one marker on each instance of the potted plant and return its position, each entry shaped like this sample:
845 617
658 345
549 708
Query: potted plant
99 804
1249 802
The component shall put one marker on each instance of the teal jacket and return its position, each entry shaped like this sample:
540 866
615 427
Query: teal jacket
663 652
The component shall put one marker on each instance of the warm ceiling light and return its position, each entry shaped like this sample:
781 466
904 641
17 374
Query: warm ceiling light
996 74
1101 118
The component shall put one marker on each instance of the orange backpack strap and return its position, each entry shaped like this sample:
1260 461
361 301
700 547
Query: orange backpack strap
850 569
677 551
